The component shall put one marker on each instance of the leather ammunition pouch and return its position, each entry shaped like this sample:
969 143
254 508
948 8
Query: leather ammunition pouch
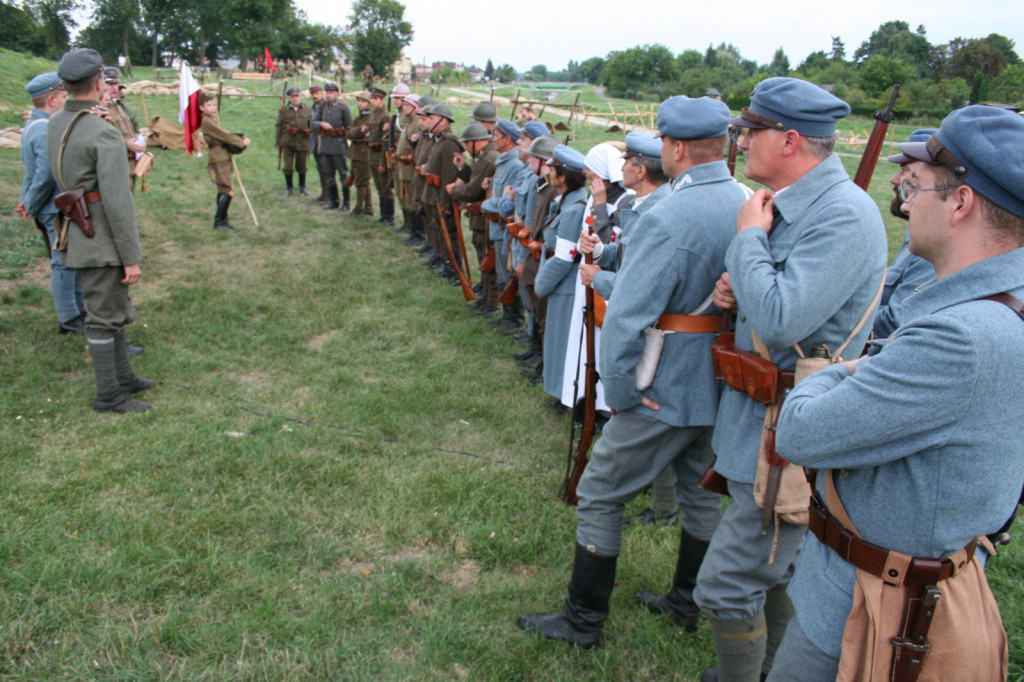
376 146
487 264
748 372
433 179
473 208
493 217
292 130
406 159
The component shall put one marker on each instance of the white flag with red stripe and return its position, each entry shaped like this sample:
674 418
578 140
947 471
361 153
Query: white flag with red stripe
189 114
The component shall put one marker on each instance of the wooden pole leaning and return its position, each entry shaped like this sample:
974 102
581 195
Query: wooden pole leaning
238 176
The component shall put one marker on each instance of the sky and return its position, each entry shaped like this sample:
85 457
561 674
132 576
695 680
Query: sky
525 33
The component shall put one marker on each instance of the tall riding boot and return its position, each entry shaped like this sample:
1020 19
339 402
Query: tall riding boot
406 225
778 611
332 197
109 396
740 645
586 607
288 184
221 221
417 234
323 189
679 603
126 377
345 194
382 205
513 320
387 211
302 185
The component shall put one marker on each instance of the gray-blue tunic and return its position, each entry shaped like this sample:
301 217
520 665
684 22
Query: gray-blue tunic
604 279
906 273
926 434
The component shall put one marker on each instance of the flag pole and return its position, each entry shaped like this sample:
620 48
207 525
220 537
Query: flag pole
244 193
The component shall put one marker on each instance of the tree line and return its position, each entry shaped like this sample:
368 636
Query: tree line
934 79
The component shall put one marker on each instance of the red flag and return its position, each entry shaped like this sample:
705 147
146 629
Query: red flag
188 105
270 61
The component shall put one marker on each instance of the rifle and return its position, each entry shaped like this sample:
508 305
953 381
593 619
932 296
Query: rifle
734 149
462 241
874 146
578 449
467 288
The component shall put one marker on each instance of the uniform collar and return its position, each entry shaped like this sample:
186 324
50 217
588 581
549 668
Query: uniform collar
701 174
799 196
995 275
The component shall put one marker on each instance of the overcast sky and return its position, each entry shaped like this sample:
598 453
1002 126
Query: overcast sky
528 32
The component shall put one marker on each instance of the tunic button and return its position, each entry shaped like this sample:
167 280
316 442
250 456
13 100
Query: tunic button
743 318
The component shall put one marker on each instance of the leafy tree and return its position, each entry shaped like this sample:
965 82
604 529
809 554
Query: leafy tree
838 49
780 64
505 74
880 72
114 28
895 39
539 72
590 69
1004 45
979 87
690 59
55 23
632 71
19 31
1009 85
489 69
379 33
814 63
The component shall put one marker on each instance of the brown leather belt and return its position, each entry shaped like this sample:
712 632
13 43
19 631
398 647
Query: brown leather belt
692 324
872 558
406 159
92 197
433 179
376 146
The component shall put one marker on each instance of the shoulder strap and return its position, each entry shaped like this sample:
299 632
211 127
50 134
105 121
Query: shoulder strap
837 356
59 170
1009 301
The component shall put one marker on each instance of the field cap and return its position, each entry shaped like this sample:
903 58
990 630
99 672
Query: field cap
43 83
315 88
642 145
981 146
363 95
696 118
915 148
534 129
509 128
111 75
78 64
331 87
293 91
568 157
793 104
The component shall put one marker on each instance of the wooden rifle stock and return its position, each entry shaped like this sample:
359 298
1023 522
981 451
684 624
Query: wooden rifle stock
467 288
734 149
509 293
462 240
487 264
874 146
578 449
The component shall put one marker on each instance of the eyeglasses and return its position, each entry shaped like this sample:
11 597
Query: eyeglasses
907 190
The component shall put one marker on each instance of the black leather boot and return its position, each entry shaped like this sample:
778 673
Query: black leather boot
332 198
289 187
220 221
679 603
344 197
302 185
387 212
586 607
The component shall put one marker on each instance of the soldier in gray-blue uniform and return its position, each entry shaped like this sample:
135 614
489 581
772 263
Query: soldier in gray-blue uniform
94 160
37 192
556 278
643 175
506 174
805 266
924 434
676 255
907 271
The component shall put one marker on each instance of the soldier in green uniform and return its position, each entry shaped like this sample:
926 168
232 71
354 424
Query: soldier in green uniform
122 118
86 153
442 165
291 133
428 219
218 161
380 163
408 133
470 191
359 152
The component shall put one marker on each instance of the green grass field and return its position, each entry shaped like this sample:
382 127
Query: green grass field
343 476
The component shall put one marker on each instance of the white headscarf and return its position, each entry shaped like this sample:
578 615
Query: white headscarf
606 162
